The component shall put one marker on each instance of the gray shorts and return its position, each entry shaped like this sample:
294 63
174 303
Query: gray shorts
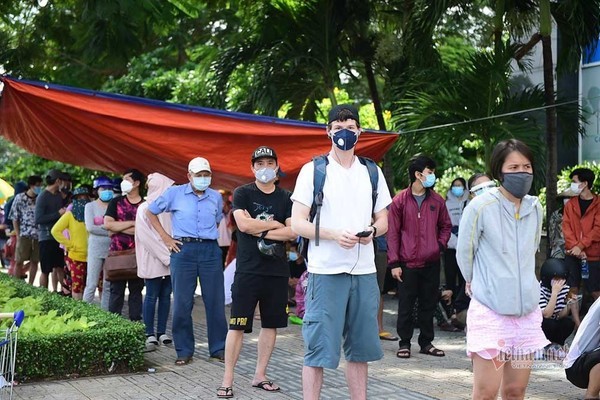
27 250
339 306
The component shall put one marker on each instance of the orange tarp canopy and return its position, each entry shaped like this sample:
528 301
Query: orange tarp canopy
111 132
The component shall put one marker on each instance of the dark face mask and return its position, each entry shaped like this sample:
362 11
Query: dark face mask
344 139
517 183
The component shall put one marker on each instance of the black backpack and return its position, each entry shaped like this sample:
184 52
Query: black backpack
320 172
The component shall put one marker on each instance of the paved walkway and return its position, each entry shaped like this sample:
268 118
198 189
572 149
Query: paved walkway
420 377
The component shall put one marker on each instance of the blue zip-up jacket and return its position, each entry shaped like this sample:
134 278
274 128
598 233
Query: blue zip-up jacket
496 252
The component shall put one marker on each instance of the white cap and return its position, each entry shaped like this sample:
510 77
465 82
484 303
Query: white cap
198 164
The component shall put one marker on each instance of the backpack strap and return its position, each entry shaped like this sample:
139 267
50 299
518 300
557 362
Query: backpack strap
320 172
373 176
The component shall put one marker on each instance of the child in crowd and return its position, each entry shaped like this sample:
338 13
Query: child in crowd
557 325
300 294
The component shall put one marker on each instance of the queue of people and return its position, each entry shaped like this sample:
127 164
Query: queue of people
485 237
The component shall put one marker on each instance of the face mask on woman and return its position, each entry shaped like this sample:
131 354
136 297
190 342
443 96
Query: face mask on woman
517 183
458 191
106 195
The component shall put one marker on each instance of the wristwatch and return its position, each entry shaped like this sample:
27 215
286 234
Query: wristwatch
374 230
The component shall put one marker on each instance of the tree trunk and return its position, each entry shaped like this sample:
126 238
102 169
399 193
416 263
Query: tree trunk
387 158
550 100
499 25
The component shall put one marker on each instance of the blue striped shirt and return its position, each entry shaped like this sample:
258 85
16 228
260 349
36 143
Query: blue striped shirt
192 215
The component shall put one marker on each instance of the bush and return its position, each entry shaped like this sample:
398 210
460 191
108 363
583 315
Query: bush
112 345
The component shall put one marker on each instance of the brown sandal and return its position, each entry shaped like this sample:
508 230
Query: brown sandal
403 352
432 351
226 392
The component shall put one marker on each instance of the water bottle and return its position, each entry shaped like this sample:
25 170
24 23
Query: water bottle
585 269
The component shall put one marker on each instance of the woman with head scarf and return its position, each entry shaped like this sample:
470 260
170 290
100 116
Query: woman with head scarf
153 260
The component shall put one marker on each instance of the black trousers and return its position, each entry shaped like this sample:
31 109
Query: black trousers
558 330
423 284
454 278
117 297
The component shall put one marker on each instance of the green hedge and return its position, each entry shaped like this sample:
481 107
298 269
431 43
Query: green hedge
113 345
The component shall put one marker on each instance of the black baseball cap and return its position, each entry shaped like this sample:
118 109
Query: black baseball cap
334 114
55 174
263 151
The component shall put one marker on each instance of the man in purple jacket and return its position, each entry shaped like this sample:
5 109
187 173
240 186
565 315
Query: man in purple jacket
419 229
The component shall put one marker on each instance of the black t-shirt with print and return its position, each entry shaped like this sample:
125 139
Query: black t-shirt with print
273 206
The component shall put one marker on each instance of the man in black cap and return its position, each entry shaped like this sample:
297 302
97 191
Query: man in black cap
262 212
344 294
48 209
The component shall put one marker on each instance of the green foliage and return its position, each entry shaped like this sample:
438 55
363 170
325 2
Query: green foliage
16 164
97 342
460 108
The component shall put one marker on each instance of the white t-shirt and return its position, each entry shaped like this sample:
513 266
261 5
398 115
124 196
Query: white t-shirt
347 205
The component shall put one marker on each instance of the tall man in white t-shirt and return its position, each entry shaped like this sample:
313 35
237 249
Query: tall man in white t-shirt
342 297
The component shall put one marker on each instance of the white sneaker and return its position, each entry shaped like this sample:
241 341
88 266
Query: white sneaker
165 340
151 343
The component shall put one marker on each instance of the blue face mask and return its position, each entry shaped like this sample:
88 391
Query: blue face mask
458 191
292 256
344 139
429 180
37 190
106 195
201 183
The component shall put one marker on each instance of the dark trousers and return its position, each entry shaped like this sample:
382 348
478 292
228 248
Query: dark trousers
558 330
454 278
224 250
423 284
117 297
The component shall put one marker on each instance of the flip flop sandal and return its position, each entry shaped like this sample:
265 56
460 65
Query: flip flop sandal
227 392
183 361
432 351
262 385
387 336
403 352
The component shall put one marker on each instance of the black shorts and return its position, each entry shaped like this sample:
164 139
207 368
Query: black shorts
579 373
51 256
271 294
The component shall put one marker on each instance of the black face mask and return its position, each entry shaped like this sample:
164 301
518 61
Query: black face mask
517 183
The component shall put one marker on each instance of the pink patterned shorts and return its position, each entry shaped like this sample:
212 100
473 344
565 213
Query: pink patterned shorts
489 333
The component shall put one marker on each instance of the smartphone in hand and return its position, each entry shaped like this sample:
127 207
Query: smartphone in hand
364 234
